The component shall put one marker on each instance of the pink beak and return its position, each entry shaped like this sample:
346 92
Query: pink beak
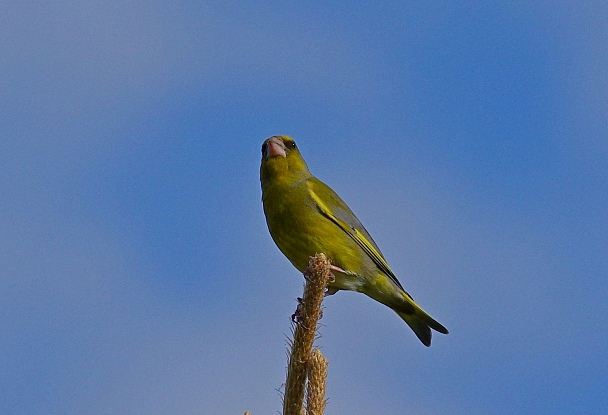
275 148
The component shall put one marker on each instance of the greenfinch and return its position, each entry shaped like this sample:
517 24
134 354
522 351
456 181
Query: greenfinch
305 217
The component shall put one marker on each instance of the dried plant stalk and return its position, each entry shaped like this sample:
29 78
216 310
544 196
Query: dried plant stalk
309 311
317 381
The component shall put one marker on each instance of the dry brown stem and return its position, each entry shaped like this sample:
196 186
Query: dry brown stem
317 381
309 311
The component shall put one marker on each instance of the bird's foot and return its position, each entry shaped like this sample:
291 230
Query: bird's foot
332 278
296 317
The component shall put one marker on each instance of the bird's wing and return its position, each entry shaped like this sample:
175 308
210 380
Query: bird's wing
336 210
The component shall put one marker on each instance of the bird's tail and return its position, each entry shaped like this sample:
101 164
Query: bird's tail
418 320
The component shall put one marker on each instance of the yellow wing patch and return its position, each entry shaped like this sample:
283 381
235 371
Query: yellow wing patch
359 237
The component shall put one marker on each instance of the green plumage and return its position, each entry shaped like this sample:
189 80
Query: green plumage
305 216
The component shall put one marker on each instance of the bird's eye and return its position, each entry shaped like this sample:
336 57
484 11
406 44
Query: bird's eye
264 148
290 144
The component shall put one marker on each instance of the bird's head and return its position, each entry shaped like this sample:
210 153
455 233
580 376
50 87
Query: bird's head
281 160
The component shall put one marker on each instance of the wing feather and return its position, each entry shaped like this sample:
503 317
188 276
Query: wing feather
340 214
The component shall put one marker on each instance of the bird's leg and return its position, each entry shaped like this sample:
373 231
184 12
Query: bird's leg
337 269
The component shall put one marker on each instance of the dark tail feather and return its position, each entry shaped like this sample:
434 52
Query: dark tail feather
419 321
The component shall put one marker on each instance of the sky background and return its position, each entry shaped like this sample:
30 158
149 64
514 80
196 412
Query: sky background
137 275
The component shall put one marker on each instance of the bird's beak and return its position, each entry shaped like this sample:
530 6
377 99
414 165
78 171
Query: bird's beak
275 148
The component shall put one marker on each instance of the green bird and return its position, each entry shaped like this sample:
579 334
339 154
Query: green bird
305 217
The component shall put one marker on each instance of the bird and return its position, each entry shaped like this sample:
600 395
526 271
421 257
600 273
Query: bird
305 216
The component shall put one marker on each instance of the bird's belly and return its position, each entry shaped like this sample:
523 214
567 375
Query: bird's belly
301 231
342 251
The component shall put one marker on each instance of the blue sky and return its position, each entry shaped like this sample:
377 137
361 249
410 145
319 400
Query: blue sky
138 276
